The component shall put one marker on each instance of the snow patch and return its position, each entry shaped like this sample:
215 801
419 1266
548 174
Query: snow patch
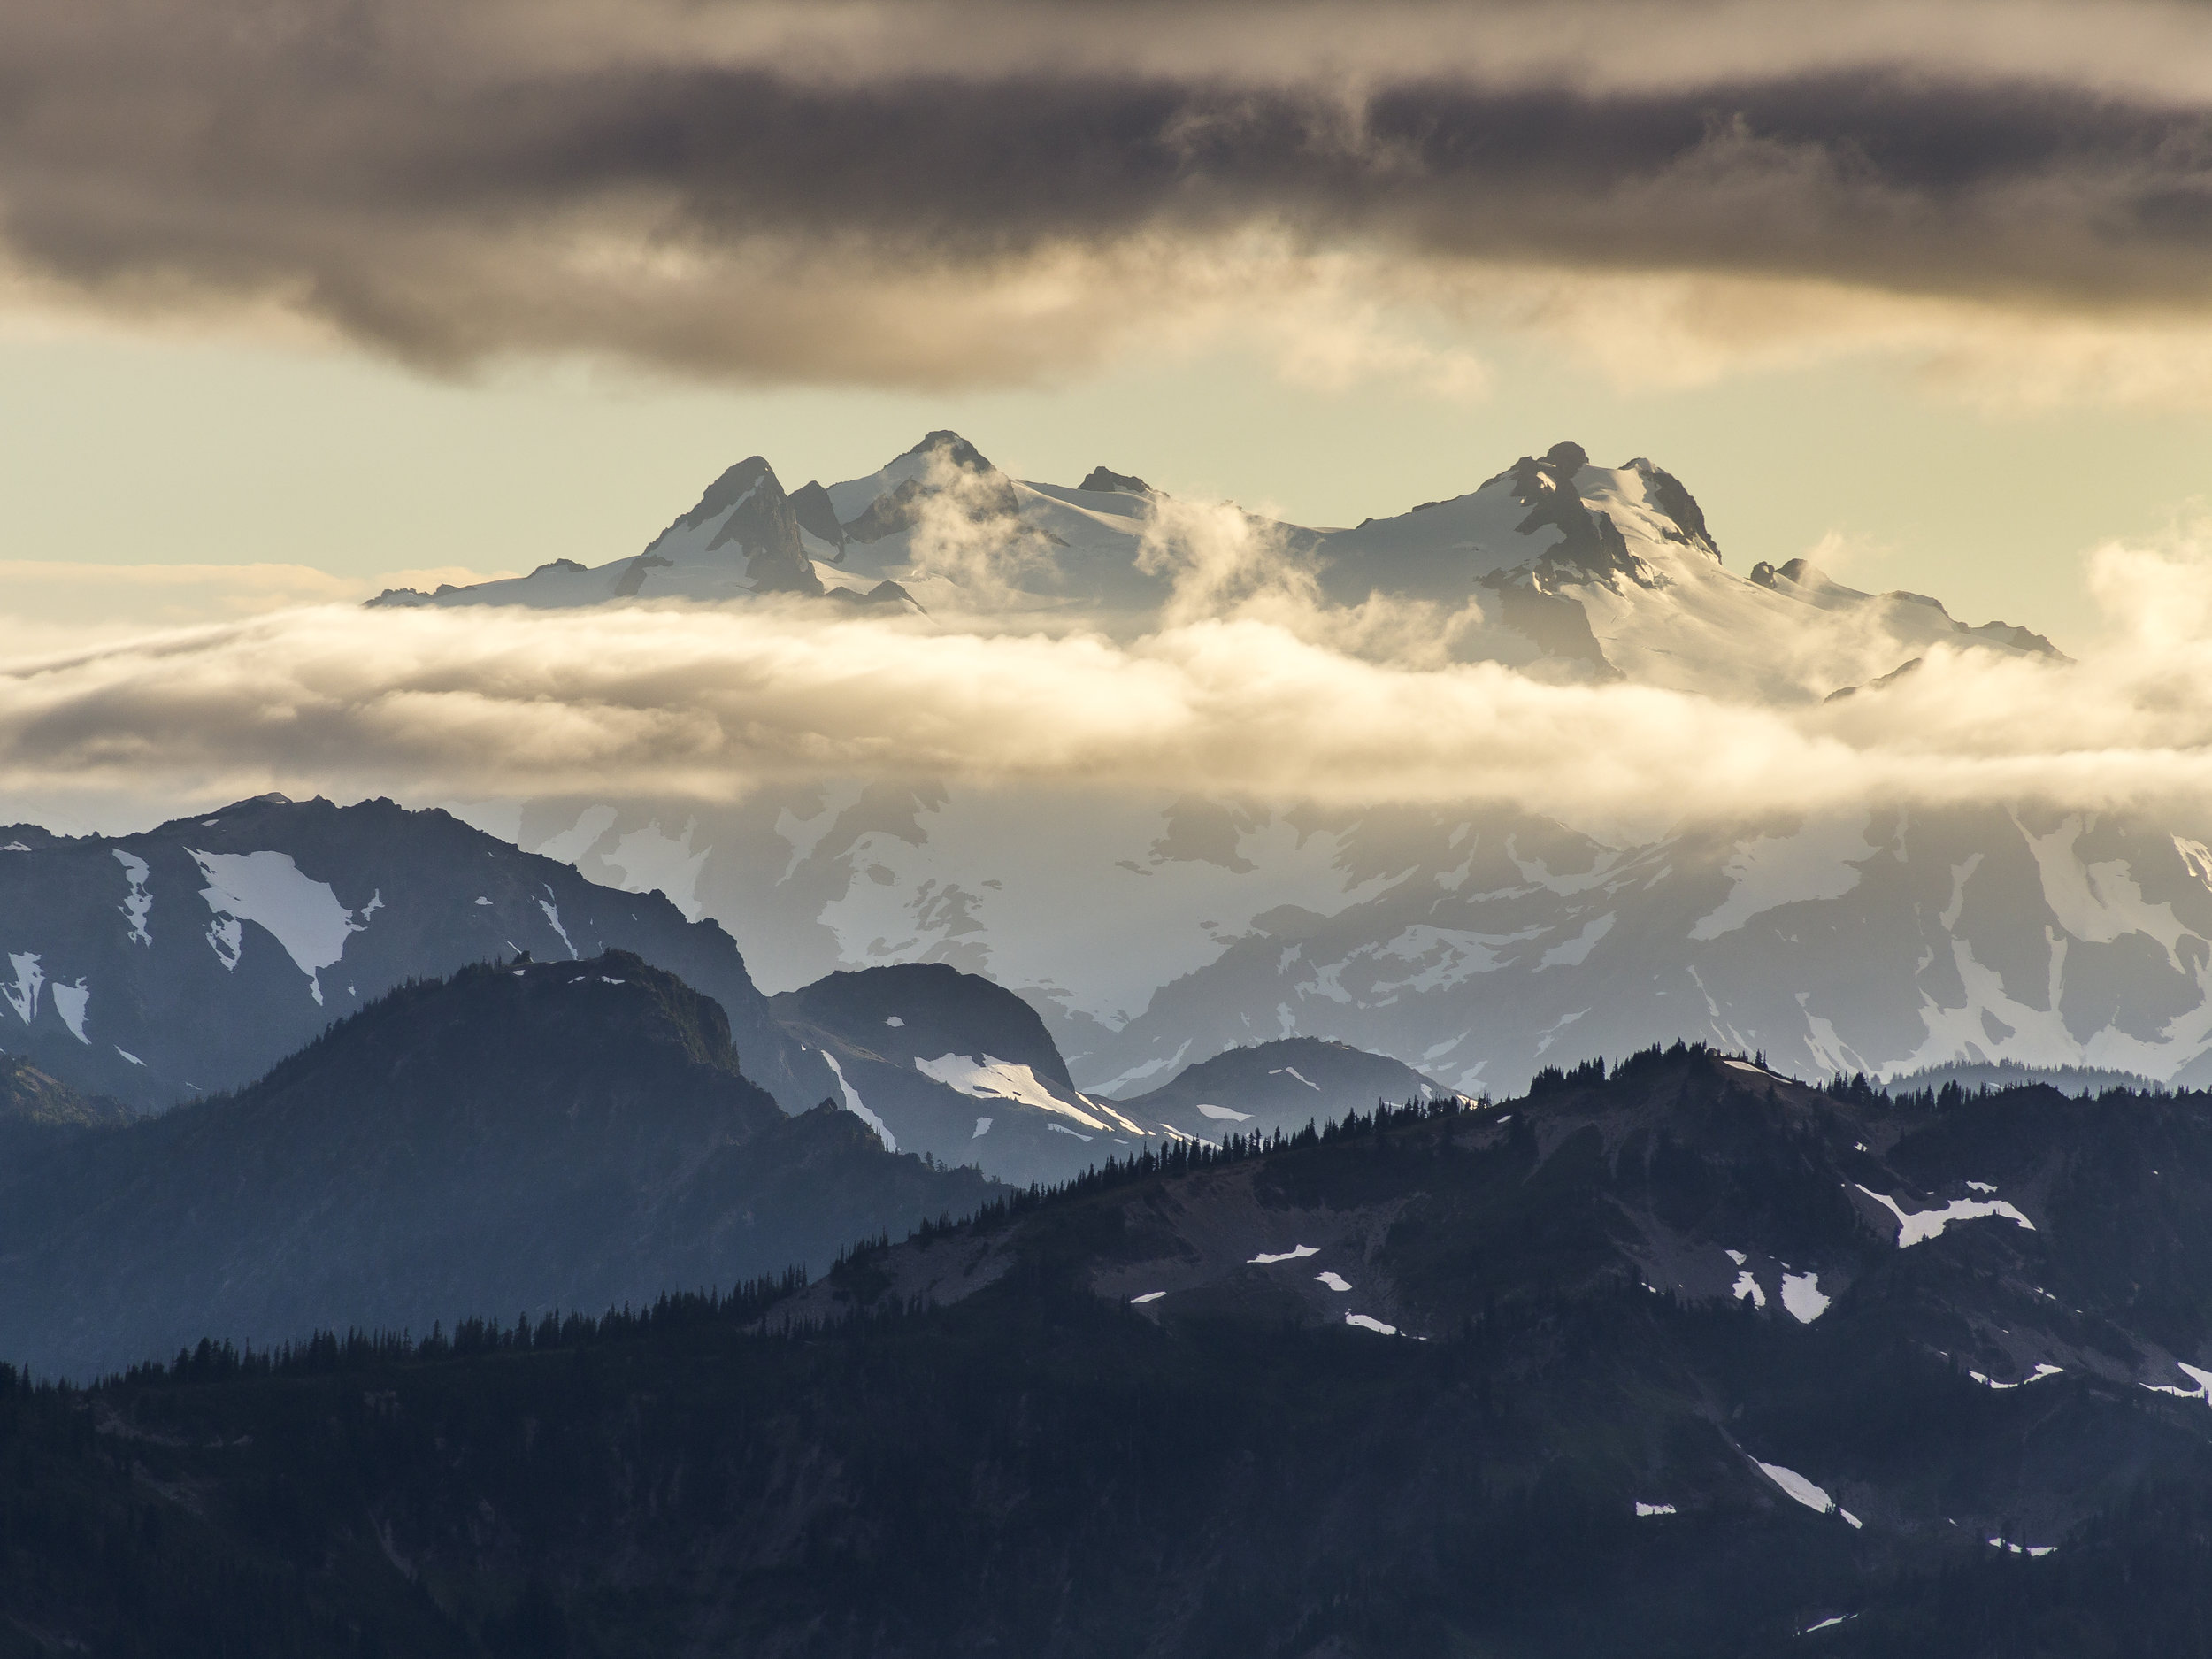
982 1128
69 1002
1149 1295
127 1055
303 915
994 1078
1654 1508
1919 1226
852 1099
894 1020
2037 1375
1366 1323
1802 1295
649 858
1747 1286
1770 871
1800 1488
1575 951
1336 1282
1222 1114
29 978
553 915
1294 1253
138 903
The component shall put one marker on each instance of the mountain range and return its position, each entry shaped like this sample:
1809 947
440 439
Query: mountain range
1152 929
1679 1357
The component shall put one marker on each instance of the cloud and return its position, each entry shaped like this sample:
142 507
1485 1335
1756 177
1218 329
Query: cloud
66 596
974 193
710 704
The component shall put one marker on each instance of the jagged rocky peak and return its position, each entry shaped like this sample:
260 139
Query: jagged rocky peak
1666 493
1106 480
817 514
745 511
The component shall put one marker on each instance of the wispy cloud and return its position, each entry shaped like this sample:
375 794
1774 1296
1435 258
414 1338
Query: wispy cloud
709 702
960 191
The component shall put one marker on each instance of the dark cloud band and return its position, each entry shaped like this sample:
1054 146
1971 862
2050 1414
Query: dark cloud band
429 212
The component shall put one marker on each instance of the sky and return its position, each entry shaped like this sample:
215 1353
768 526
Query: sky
302 298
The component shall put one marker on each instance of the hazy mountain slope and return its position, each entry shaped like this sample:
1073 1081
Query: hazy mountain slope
1477 946
1285 1083
572 1135
1687 1389
192 958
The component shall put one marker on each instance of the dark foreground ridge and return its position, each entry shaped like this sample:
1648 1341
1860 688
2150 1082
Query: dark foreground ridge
520 1136
1690 1359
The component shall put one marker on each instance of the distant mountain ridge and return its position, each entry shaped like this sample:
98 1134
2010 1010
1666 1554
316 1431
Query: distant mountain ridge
1607 572
948 1063
529 1135
190 959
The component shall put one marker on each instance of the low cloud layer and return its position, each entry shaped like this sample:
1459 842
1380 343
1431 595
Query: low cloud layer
709 702
965 193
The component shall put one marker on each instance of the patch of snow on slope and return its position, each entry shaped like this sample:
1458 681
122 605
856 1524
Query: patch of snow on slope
1575 951
1447 956
2037 1375
1224 1115
1919 1226
268 888
1819 862
648 858
2201 1378
982 1128
1294 1254
1149 1295
1803 1490
803 835
553 915
1745 1286
69 1002
1961 874
2098 902
1802 1295
1294 1072
23 996
1334 1281
992 1079
853 1104
579 839
138 903
132 1058
1654 1508
1366 1323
